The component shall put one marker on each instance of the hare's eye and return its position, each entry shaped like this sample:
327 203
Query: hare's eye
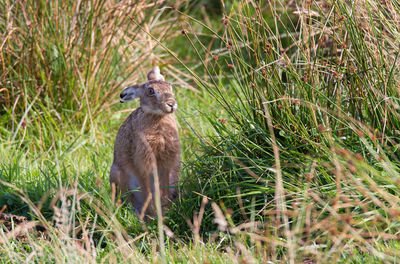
150 91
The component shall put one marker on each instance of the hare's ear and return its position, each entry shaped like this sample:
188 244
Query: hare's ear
155 74
130 93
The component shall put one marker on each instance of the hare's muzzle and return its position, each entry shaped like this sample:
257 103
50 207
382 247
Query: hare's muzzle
170 104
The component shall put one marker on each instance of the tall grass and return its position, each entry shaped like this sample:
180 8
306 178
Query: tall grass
64 62
310 145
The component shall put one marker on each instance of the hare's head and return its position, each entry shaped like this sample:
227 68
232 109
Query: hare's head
156 96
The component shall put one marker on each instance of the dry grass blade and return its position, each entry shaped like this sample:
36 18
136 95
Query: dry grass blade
219 217
279 190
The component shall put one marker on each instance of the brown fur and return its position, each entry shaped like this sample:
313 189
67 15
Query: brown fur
147 139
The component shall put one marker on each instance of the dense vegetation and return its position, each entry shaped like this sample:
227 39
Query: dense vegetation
289 116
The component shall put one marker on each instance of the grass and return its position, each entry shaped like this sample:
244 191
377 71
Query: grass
308 124
288 115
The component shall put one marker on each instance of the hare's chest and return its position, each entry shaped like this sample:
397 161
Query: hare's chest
157 143
163 144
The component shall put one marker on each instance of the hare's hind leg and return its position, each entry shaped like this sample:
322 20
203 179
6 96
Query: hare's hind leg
116 182
126 183
135 194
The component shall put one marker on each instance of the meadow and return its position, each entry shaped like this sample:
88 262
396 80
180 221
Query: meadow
289 117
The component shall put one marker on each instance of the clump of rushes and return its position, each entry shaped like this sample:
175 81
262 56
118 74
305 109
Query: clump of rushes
63 62
311 95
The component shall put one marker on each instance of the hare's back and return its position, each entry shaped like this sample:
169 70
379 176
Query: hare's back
126 136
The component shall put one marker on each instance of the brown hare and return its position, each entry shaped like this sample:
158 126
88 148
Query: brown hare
148 139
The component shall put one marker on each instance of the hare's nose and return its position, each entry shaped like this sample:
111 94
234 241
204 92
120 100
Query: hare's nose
171 104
